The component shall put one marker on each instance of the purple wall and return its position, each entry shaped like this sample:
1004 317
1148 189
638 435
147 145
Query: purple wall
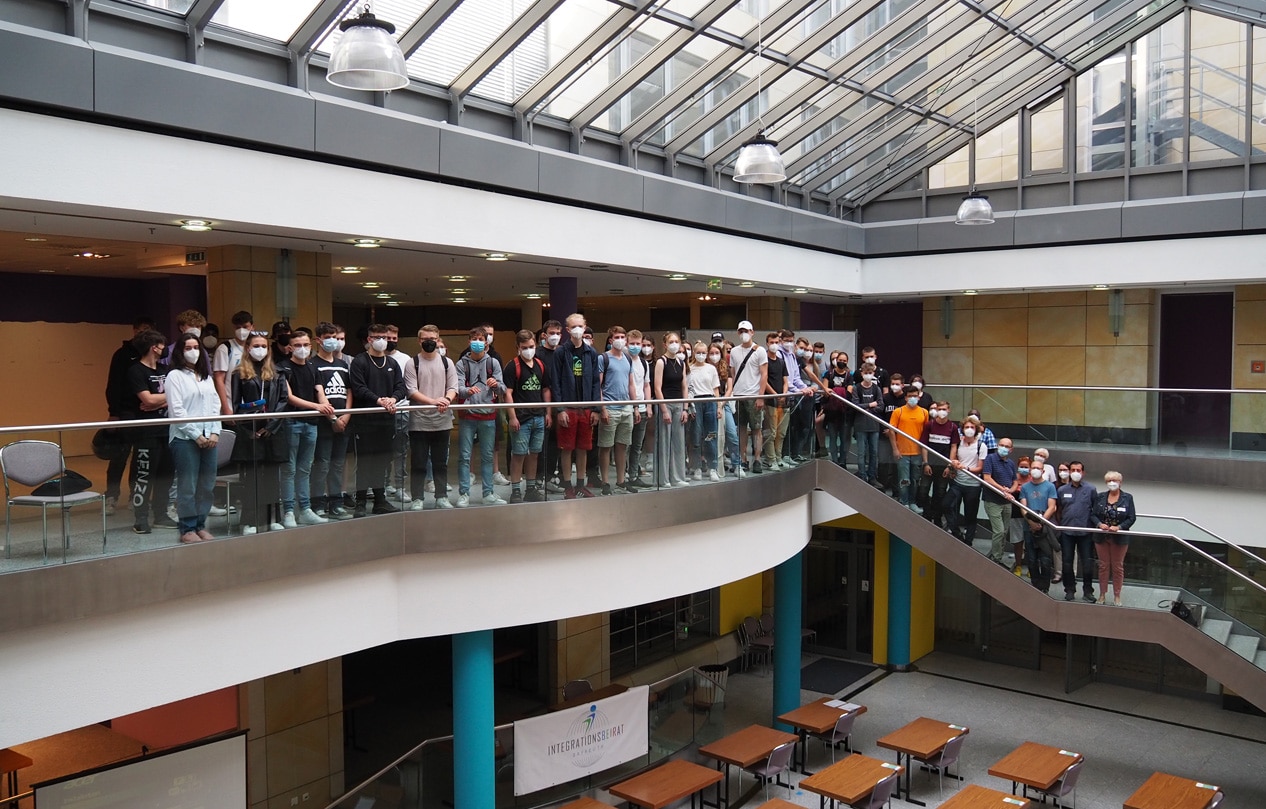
816 316
896 332
30 298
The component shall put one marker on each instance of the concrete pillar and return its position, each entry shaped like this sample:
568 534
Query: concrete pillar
241 277
474 741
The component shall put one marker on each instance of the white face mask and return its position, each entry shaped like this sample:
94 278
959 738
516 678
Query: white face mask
1038 472
551 340
443 351
192 355
917 385
241 334
618 343
379 344
194 330
872 360
896 388
745 337
1063 474
210 342
528 354
700 356
939 414
970 432
673 348
714 358
1076 476
868 377
300 352
258 353
577 332
1113 485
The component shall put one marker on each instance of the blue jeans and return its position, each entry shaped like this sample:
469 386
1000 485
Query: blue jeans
838 437
296 475
704 432
195 481
868 455
909 470
731 437
487 431
327 465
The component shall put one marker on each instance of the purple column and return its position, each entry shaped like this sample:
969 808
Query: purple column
816 316
562 298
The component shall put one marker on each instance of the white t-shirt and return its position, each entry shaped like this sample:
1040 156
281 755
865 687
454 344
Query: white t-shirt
703 380
749 383
639 380
968 455
227 357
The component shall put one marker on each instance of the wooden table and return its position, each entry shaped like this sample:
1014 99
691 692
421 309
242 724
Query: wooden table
667 783
744 748
922 739
849 780
586 803
1164 791
974 796
1035 765
816 717
10 762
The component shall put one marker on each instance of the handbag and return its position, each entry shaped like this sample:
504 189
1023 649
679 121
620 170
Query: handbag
1188 613
110 444
70 482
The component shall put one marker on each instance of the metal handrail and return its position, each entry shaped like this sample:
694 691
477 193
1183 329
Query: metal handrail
1093 388
414 751
1200 527
1038 517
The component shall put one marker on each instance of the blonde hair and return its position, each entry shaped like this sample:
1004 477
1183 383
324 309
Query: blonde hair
695 350
246 368
1112 475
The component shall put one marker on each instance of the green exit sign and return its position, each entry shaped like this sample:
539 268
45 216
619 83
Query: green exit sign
714 284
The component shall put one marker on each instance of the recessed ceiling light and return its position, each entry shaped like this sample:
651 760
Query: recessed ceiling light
367 242
533 296
350 270
457 279
35 239
969 292
1101 286
678 276
459 300
90 254
747 284
392 303
496 256
370 284
383 295
196 225
459 290
706 298
799 290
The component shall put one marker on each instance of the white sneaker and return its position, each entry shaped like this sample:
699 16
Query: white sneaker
248 529
500 479
696 475
417 505
463 500
713 476
217 511
402 496
739 473
288 521
682 483
276 526
430 486
442 502
389 491
493 500
310 517
552 487
171 512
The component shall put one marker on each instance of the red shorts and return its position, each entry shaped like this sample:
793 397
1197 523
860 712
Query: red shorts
578 434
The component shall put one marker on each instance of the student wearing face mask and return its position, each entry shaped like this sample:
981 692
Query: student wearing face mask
190 321
986 434
870 398
376 381
479 382
330 455
229 354
280 341
151 463
705 387
615 422
968 460
190 394
1113 512
670 432
908 422
547 465
1076 503
925 398
526 384
430 379
640 386
774 429
1001 484
728 427
837 417
800 403
1063 473
894 398
261 446
881 374
119 400
748 367
306 393
941 435
574 379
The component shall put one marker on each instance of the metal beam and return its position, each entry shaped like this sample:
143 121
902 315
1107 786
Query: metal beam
664 50
200 13
431 19
318 22
797 55
680 96
518 31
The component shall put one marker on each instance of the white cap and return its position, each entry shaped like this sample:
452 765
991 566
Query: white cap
745 324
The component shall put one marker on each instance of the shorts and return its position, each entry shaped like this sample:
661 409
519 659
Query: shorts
619 430
530 437
749 415
578 434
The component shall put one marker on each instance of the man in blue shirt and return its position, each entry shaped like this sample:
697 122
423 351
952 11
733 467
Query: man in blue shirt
1075 502
1000 477
615 428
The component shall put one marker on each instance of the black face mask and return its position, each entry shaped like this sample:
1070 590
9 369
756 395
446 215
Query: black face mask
841 364
428 345
391 345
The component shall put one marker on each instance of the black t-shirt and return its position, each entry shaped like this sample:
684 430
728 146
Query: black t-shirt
141 377
302 380
527 381
332 377
777 372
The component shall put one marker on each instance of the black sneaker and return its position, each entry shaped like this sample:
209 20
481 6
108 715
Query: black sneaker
606 488
1089 598
516 496
638 483
349 501
1070 596
384 507
359 510
534 495
630 488
143 528
165 522
756 468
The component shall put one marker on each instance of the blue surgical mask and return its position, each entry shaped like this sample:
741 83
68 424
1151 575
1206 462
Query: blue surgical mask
1024 470
912 400
635 350
330 344
800 352
818 355
476 346
1004 451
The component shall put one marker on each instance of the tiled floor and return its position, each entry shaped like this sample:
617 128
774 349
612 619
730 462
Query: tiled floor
1124 734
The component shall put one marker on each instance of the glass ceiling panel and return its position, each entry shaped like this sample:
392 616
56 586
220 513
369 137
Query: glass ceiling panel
741 19
686 8
400 13
275 19
467 32
773 94
712 95
568 26
850 102
608 66
175 6
694 57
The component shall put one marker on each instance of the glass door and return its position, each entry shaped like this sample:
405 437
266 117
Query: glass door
839 569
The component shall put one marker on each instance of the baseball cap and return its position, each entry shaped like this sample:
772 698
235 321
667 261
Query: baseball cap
718 337
745 324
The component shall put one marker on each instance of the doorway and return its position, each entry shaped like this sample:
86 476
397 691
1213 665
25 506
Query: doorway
839 598
1203 361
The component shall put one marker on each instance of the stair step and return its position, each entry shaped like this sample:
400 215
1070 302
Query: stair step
1217 629
1260 659
1243 645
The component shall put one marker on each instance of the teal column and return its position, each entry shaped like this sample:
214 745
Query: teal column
788 595
474 744
899 561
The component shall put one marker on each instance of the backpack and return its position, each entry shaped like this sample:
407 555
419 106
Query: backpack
518 368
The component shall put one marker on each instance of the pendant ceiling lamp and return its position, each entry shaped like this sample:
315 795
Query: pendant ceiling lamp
759 160
975 208
367 56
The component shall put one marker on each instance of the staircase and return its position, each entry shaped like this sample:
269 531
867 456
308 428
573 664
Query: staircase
1224 647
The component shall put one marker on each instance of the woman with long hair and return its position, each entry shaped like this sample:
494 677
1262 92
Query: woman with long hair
191 393
705 387
256 387
670 434
719 358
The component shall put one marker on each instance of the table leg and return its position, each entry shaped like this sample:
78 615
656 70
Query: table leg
909 778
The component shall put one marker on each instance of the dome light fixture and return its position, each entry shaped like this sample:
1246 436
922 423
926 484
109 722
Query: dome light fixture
367 56
496 256
759 160
975 208
366 242
350 270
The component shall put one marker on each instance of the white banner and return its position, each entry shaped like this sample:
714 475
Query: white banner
576 742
